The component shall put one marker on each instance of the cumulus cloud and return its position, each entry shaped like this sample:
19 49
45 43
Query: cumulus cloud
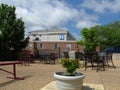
102 6
86 24
86 20
43 13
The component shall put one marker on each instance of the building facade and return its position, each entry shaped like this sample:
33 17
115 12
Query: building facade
52 39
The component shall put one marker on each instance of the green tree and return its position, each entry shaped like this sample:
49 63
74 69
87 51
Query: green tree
89 38
11 30
109 35
103 36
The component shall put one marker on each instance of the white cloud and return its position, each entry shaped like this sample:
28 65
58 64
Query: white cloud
83 15
102 6
86 20
85 24
43 13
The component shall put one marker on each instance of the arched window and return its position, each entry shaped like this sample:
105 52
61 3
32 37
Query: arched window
36 39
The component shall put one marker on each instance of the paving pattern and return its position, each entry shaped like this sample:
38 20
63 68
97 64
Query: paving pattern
38 75
52 86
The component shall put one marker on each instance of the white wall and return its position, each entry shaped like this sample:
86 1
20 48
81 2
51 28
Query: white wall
48 37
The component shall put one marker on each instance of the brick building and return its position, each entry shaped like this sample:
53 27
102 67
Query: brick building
56 39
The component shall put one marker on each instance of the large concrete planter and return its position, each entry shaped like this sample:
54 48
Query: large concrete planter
69 82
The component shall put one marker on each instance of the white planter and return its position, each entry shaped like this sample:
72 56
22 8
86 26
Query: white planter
69 82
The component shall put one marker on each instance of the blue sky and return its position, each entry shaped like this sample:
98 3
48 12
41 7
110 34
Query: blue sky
73 15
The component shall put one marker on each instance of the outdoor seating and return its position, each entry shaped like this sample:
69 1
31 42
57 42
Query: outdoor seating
79 55
43 56
66 55
74 55
95 59
26 57
101 60
52 57
109 59
46 56
88 58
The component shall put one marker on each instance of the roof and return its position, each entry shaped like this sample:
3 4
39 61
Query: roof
53 29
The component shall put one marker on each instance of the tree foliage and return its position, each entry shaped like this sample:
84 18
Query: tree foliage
11 29
104 36
109 35
89 38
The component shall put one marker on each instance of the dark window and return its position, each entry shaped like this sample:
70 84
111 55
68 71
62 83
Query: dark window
68 46
41 46
35 45
36 39
55 46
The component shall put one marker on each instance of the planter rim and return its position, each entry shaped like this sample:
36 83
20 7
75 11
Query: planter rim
62 77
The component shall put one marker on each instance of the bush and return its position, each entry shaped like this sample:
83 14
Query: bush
71 65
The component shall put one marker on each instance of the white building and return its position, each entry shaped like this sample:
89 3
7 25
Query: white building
52 39
51 35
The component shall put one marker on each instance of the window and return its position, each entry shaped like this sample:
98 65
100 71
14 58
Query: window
36 39
55 46
68 46
35 45
61 36
30 45
41 46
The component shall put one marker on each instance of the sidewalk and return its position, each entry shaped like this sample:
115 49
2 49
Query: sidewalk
39 75
52 86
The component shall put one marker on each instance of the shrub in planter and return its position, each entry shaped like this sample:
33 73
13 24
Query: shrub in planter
70 79
70 65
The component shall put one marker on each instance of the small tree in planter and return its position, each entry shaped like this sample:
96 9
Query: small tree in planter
70 65
69 80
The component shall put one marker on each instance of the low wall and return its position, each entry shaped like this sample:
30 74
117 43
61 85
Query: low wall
116 56
72 54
